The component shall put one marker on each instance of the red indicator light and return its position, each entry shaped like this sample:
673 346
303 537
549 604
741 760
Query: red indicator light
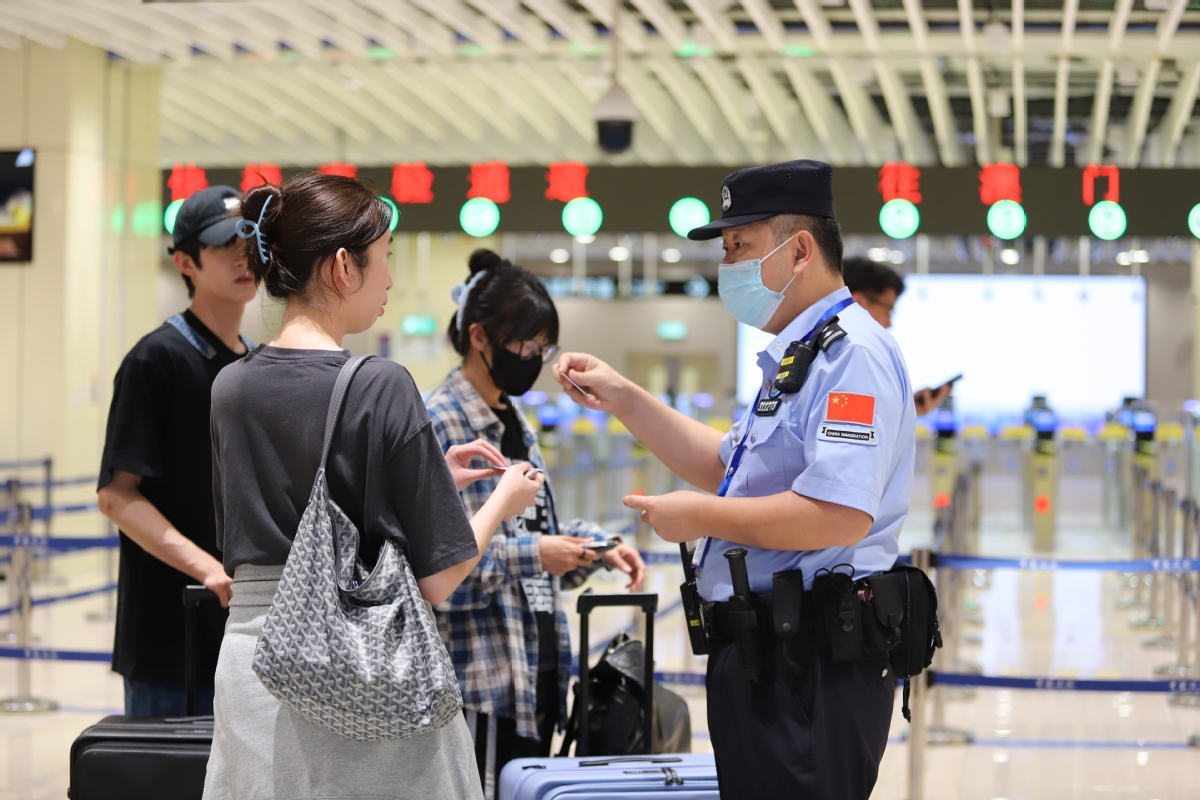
1041 504
566 181
412 183
489 179
999 182
1091 172
941 501
259 174
899 180
186 181
339 168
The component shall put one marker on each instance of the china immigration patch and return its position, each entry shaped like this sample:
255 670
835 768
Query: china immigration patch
858 409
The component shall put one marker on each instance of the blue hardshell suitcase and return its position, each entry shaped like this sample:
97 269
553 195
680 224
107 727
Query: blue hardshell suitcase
688 776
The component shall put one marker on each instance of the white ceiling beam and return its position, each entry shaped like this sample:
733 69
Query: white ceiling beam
700 109
427 31
198 16
661 112
860 108
42 34
574 27
364 23
769 25
944 128
243 83
186 118
1058 136
155 24
563 96
979 111
781 112
174 133
818 26
537 113
734 102
325 79
133 31
394 98
459 16
1139 113
526 27
1118 24
1104 83
458 115
60 19
1169 23
827 120
1020 109
234 105
905 125
255 19
324 105
1179 114
323 27
717 22
665 21
475 97
180 95
630 29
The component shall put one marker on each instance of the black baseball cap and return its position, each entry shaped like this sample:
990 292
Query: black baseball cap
757 193
205 215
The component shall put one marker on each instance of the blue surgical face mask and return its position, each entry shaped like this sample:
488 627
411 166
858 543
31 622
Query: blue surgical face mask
743 293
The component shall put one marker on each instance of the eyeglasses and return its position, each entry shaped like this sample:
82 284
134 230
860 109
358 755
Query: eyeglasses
531 350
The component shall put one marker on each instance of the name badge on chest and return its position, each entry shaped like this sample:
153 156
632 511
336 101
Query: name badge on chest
768 406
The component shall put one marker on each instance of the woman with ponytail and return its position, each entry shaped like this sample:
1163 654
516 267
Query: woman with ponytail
320 244
505 626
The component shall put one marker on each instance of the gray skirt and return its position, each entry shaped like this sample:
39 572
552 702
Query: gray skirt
265 751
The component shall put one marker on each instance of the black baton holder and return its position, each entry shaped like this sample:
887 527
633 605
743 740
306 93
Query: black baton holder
692 604
744 617
787 599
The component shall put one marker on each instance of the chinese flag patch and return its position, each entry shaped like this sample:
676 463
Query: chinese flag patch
850 407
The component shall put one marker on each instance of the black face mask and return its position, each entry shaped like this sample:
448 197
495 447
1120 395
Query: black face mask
512 374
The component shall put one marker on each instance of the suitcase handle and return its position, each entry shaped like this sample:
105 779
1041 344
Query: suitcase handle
192 595
588 601
608 762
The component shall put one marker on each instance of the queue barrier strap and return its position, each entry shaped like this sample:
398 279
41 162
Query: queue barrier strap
44 513
1051 565
43 601
1170 686
60 544
49 654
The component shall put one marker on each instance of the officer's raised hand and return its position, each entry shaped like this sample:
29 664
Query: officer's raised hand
603 384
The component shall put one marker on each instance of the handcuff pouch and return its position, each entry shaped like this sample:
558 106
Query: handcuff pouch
838 616
882 613
787 601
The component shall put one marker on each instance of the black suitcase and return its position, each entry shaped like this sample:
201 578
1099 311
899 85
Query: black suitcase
147 758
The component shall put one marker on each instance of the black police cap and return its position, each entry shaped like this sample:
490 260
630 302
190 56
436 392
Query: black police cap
758 193
206 216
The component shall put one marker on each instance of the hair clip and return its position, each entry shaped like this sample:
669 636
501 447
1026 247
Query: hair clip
245 229
459 293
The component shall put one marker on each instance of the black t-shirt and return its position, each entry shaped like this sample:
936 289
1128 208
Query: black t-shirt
536 520
158 429
386 470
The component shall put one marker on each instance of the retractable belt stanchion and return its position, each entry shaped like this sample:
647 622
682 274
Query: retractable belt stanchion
1152 504
1164 582
950 610
917 732
1136 503
8 510
1190 607
20 572
1184 588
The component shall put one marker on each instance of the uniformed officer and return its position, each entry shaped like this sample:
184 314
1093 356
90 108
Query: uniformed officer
812 482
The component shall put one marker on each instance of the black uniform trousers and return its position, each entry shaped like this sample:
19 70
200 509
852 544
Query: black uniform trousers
821 739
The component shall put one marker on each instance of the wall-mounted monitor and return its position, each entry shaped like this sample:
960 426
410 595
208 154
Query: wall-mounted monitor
16 205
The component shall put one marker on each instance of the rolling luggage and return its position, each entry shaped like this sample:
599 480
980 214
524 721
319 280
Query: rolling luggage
147 758
690 776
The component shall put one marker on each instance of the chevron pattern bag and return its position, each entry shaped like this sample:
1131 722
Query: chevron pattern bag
354 652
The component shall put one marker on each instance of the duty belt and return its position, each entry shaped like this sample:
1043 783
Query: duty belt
721 619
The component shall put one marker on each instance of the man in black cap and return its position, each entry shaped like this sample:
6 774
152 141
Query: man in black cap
156 473
811 488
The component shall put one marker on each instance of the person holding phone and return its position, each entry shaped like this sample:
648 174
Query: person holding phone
505 626
876 287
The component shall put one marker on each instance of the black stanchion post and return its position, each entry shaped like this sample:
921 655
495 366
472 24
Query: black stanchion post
1184 623
1153 549
1164 582
8 515
917 732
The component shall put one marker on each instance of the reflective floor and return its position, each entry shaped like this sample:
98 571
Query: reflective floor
1029 745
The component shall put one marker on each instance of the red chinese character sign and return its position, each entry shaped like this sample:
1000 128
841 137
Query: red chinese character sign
489 180
1000 191
566 180
900 185
1107 218
339 168
260 174
186 181
412 183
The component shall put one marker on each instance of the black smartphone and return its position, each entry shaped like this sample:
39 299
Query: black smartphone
957 377
601 546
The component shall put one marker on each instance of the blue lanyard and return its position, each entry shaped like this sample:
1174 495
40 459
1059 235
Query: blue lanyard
736 461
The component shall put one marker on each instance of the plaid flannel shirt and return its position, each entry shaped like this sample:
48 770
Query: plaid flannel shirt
487 624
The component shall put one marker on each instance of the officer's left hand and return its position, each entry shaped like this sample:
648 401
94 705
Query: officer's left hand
665 513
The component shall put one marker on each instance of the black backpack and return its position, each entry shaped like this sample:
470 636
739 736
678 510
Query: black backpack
617 702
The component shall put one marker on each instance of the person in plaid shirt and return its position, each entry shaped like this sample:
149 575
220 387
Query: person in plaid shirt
505 626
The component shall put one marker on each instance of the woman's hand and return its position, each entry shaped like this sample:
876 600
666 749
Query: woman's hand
518 489
459 457
628 560
563 554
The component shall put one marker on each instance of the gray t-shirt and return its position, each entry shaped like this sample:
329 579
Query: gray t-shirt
386 469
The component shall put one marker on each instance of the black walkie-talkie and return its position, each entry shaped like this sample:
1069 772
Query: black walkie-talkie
692 603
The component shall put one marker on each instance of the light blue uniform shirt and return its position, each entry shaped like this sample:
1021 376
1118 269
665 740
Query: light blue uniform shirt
863 466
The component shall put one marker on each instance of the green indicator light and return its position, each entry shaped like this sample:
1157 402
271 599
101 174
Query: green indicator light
582 217
395 213
117 220
1107 220
686 214
1194 220
146 215
418 325
168 216
797 50
1006 219
672 330
479 217
899 219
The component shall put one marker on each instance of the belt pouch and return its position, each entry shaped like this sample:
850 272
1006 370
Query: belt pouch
883 615
695 620
837 607
787 598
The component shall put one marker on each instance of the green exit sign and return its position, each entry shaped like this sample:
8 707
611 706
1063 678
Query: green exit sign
418 325
672 330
